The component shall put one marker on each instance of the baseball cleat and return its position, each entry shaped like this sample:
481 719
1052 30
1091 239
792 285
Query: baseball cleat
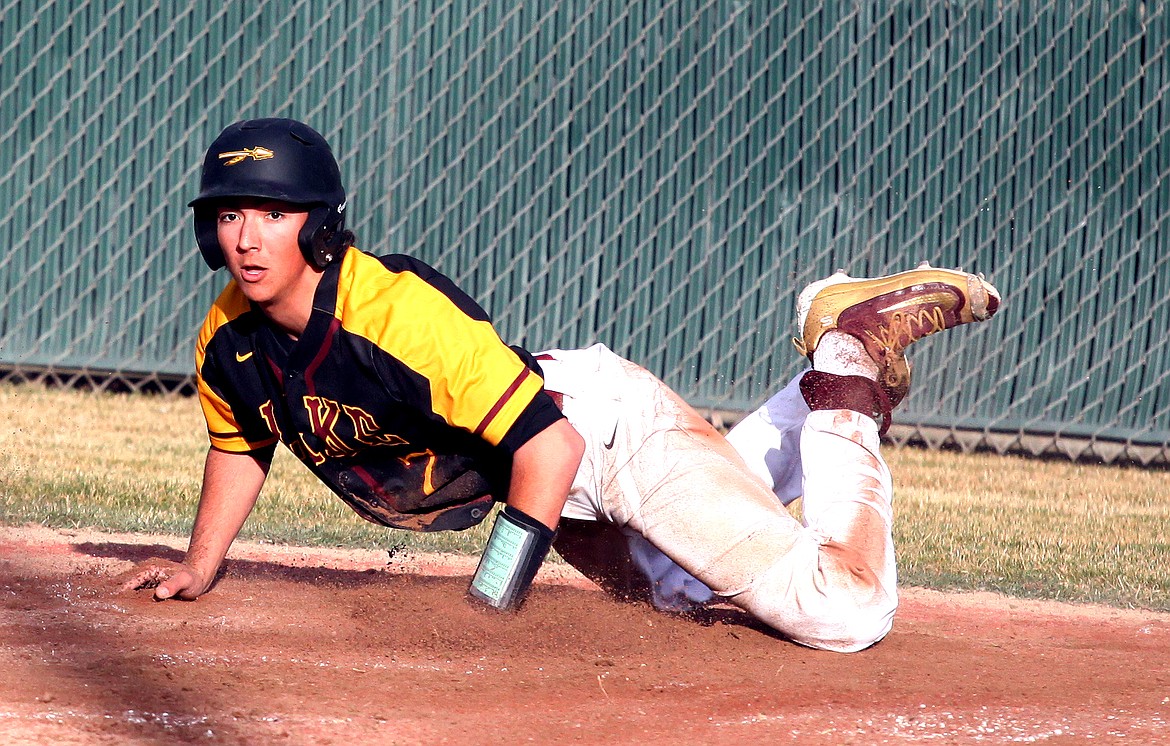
889 313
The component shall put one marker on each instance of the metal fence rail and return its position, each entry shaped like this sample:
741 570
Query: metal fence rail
660 176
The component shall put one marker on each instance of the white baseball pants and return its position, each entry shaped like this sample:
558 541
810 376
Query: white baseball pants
654 467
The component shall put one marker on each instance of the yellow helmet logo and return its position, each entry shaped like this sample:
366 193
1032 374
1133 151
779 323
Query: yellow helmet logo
258 153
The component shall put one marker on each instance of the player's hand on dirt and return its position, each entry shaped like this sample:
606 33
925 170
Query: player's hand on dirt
168 579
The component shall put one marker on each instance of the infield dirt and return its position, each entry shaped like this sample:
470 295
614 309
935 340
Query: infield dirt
336 646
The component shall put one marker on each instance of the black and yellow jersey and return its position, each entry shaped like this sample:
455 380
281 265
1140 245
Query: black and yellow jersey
400 395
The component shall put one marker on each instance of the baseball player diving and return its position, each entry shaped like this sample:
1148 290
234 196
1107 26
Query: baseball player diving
393 387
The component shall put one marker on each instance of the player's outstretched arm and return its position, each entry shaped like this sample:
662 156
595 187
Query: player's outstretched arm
542 474
231 484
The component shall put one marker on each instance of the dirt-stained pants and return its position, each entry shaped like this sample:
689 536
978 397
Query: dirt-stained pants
653 465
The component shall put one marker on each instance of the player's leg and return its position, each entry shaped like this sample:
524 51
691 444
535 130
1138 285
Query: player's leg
855 332
629 566
619 558
768 441
667 477
664 472
680 485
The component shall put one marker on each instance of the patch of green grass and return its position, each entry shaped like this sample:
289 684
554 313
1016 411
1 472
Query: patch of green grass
120 462
1029 527
1026 527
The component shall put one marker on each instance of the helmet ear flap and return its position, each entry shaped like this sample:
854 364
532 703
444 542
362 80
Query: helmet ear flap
207 236
322 236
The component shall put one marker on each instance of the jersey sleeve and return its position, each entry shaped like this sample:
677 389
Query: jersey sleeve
223 426
539 414
418 317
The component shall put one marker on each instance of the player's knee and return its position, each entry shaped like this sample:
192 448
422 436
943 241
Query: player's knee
859 604
852 629
838 606
826 623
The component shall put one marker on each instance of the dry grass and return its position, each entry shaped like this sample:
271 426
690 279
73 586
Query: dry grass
1028 527
134 463
1055 529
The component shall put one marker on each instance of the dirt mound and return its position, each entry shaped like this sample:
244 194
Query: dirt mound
316 646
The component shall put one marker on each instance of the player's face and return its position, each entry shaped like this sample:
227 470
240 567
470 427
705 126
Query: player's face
259 242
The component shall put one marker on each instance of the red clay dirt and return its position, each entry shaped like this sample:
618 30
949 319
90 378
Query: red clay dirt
327 646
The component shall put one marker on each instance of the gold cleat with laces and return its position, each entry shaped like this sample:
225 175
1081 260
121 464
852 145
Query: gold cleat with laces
889 313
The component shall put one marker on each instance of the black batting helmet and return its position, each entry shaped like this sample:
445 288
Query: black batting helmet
280 159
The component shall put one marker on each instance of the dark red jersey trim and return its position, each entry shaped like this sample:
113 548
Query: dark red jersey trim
322 353
491 415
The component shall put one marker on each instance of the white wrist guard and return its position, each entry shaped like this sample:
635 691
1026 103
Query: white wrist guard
515 550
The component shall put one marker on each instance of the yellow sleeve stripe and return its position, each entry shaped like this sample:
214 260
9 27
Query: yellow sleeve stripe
476 382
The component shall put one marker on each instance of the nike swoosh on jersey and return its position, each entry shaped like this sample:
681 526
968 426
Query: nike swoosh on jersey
241 357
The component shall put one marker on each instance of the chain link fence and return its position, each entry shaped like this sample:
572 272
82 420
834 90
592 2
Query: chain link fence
662 177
